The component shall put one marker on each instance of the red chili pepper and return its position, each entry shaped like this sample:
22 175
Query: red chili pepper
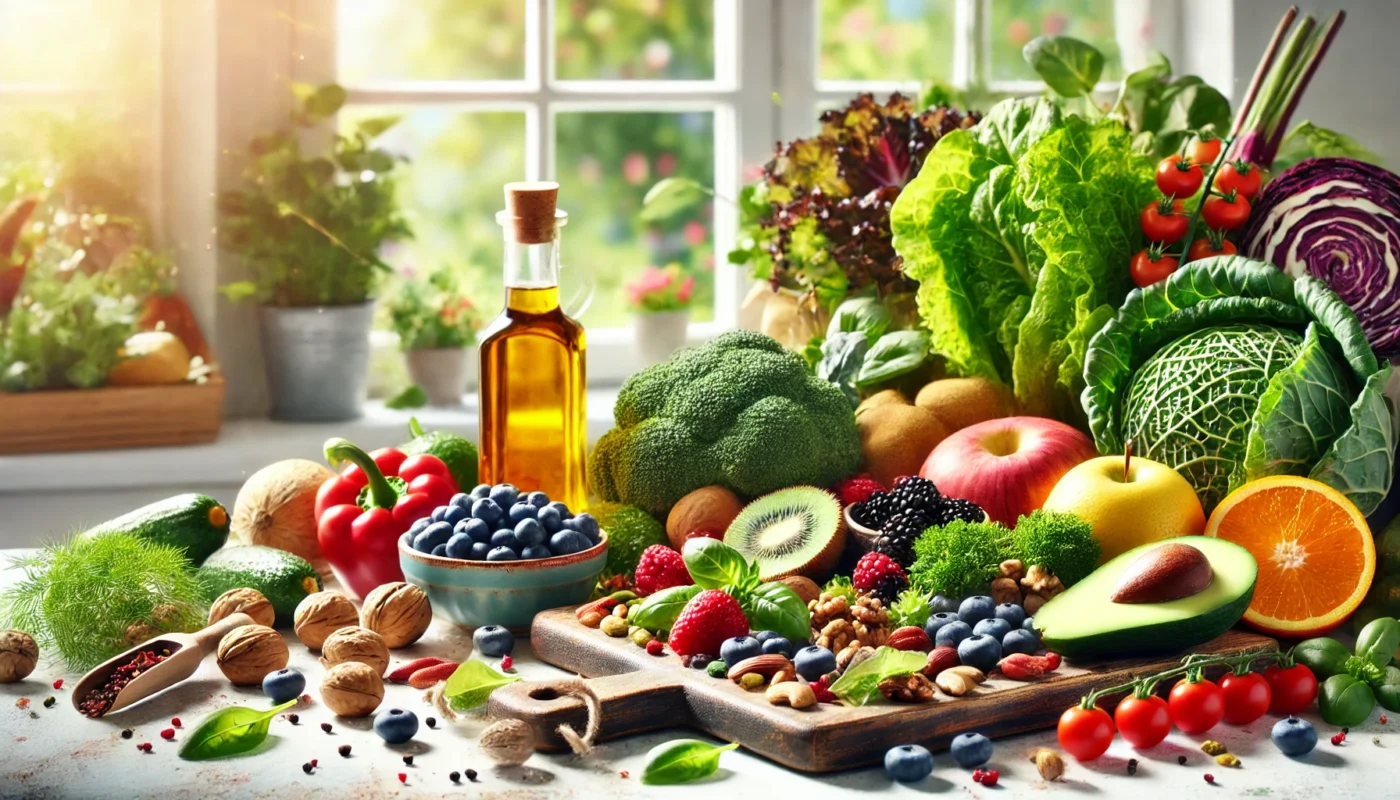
1022 667
362 512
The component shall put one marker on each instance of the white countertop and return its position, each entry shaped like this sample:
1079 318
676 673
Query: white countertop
62 754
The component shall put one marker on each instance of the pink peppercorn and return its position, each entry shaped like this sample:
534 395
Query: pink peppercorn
167 734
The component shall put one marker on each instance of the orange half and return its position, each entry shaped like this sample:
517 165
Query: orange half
1315 552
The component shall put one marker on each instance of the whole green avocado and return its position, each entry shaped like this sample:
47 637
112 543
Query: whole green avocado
457 453
739 411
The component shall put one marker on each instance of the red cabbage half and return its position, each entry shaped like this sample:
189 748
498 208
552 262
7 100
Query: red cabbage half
1338 220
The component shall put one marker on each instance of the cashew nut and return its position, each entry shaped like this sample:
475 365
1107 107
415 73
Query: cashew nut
791 693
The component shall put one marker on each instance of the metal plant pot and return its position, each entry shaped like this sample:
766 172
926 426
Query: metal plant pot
317 361
660 333
441 372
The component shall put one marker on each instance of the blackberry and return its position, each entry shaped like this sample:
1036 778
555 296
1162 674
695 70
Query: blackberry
917 494
875 511
953 508
889 587
897 537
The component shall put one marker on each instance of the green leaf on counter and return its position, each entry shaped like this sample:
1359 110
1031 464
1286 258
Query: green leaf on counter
473 682
682 761
860 684
230 731
659 610
412 397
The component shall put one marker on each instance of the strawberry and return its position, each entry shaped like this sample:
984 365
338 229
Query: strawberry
857 489
660 568
706 621
873 568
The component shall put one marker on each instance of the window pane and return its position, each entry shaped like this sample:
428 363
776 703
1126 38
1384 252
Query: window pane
886 40
642 39
79 43
1015 22
606 162
393 40
451 189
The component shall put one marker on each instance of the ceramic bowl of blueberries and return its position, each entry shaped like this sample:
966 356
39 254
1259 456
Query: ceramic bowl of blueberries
498 556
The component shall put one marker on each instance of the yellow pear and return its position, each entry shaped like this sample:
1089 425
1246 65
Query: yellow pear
1153 503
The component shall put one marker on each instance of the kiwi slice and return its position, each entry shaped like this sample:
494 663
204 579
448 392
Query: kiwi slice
796 531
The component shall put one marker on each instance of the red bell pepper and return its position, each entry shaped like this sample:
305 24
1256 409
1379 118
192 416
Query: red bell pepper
362 512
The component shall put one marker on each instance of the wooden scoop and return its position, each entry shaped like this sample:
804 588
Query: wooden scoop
187 650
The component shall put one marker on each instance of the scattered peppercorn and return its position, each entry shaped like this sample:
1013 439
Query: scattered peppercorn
33 715
1132 766
623 774
471 775
432 722
23 702
990 778
1213 748
175 722
1181 760
49 701
1210 779
326 726
305 699
1376 740
507 663
655 648
1227 760
1345 731
306 768
344 751
455 777
403 777
144 747
127 734
1384 719
977 775
58 684
408 760
293 718
167 734
315 763
1337 739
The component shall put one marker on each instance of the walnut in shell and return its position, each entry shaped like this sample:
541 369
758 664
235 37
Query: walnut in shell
399 612
247 601
18 655
356 644
352 689
246 655
321 614
508 741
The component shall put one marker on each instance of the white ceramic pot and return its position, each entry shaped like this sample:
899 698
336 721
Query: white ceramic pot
441 372
660 333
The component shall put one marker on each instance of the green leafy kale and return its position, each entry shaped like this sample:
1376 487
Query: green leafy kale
1061 542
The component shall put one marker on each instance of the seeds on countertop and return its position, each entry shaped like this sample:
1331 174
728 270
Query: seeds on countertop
326 726
1132 766
471 775
344 751
49 701
455 777
127 734
167 734
432 722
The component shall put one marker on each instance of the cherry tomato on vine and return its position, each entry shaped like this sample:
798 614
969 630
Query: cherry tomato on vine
1294 688
1247 697
1240 177
1197 706
1146 270
1164 221
1204 248
1225 213
1085 733
1178 177
1143 721
1203 151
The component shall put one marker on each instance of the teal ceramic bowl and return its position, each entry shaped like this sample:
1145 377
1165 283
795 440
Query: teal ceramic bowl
509 593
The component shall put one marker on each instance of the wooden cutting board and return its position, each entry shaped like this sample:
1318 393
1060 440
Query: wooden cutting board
639 693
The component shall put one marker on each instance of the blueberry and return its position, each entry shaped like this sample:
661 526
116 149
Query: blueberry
1012 613
459 546
529 532
432 536
1295 737
587 525
952 634
284 685
504 495
980 651
438 513
479 551
970 750
975 609
1019 641
1029 625
535 551
505 537
538 499
938 620
940 603
461 500
763 636
908 763
481 492
777 645
488 511
440 551
563 510
550 520
501 554
993 627
478 531
493 641
418 527
813 662
522 511
395 725
454 515
566 543
738 648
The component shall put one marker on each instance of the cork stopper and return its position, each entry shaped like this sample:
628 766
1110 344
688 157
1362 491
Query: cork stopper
530 213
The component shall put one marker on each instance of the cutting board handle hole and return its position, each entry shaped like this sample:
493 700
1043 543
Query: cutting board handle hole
544 693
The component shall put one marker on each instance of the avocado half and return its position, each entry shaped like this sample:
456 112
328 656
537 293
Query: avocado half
1083 622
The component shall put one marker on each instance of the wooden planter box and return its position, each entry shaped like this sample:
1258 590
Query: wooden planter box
111 417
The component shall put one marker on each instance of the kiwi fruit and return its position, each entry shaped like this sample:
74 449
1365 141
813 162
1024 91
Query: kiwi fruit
795 531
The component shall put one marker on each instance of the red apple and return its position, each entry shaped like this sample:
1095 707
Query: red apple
1007 466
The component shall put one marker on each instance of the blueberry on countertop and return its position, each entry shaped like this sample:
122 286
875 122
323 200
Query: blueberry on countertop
738 648
993 627
395 725
974 609
908 763
493 641
971 750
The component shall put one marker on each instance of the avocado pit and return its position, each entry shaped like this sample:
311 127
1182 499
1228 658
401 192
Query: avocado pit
1165 573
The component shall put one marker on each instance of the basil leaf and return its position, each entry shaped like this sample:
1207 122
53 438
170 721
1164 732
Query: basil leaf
473 682
1388 690
714 564
895 354
1325 657
865 315
1068 66
682 761
776 607
658 611
842 357
1376 643
1344 701
229 731
861 684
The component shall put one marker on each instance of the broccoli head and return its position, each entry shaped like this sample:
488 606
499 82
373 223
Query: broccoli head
1060 542
630 531
738 411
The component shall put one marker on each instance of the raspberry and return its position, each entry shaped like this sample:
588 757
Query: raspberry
857 489
660 568
706 621
874 568
655 648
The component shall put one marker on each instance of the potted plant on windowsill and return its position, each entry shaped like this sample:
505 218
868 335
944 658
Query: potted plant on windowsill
436 322
309 228
660 300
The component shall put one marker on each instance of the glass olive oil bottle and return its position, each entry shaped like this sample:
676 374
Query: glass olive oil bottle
532 384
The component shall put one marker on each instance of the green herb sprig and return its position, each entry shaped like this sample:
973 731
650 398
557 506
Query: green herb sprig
472 683
683 761
230 731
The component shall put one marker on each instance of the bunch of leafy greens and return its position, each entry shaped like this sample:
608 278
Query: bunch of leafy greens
960 558
818 219
860 353
1019 233
1060 541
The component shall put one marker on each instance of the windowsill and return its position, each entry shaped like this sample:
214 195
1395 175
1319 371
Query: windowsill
245 446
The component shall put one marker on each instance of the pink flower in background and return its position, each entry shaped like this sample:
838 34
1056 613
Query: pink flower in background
660 289
1018 32
885 38
635 168
665 165
857 21
1054 24
687 287
695 233
656 55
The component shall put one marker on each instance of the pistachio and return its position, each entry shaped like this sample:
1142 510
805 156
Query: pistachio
751 681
